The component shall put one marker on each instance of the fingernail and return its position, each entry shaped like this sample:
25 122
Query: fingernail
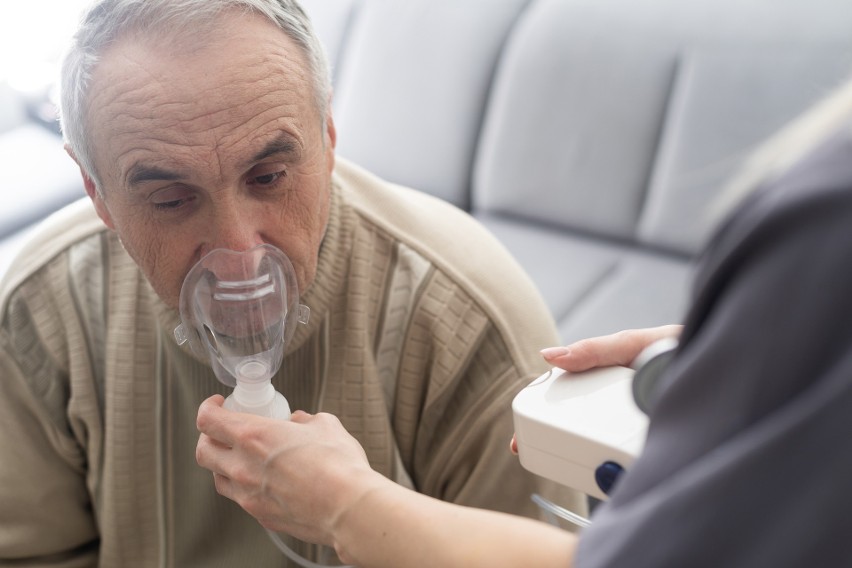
554 352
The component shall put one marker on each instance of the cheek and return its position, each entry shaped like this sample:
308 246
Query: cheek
162 261
302 224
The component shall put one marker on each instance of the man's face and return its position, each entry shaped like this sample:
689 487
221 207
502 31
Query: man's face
210 143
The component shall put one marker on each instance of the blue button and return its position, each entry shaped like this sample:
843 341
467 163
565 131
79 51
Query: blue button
607 474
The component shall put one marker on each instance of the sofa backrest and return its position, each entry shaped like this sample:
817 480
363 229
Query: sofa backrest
412 79
622 119
612 118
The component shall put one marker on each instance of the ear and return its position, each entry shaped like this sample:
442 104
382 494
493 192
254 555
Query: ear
330 130
331 134
92 192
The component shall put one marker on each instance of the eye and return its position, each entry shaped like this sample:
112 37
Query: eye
267 179
171 199
171 204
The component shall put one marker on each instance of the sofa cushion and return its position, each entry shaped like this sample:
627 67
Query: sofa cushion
595 287
411 87
724 103
573 120
598 102
613 126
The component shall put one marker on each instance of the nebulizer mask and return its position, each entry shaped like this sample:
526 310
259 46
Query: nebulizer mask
238 311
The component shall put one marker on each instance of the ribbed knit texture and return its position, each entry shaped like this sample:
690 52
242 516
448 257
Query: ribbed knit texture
422 329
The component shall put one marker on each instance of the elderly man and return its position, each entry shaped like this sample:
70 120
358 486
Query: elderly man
205 124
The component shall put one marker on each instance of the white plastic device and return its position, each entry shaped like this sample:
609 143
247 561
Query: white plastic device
580 429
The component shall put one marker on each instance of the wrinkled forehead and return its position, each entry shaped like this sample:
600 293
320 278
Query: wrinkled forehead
227 83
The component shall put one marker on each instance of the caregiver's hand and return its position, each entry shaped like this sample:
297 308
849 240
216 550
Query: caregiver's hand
619 348
299 476
616 349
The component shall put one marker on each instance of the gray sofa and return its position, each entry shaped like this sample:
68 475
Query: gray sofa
591 136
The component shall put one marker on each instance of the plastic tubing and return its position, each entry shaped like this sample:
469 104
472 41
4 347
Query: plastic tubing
289 553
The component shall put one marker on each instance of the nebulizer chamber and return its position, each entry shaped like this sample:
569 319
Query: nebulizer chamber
238 311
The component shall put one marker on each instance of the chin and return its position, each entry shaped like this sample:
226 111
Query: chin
168 295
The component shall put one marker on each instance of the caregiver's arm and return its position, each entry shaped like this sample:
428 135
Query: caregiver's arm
310 478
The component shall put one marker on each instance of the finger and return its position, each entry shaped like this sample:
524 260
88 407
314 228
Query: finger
223 485
300 416
216 399
217 422
616 349
208 453
513 445
583 355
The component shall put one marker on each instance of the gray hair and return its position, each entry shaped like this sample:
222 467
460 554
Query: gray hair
106 20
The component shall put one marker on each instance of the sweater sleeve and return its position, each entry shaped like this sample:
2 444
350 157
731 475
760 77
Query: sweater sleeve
461 451
45 510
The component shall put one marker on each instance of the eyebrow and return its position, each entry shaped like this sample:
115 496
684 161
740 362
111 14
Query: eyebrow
284 144
140 173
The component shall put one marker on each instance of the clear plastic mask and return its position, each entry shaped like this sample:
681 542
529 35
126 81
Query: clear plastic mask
239 310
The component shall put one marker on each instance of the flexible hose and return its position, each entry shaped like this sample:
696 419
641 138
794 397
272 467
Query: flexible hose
291 554
560 512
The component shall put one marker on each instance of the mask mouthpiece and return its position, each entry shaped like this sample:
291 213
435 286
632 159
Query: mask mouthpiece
239 310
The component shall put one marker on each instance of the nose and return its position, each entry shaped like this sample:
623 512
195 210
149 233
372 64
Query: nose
233 226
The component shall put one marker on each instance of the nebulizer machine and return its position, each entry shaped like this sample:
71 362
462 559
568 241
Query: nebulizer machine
584 430
239 311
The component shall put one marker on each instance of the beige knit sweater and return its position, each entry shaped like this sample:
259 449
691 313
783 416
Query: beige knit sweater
422 330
